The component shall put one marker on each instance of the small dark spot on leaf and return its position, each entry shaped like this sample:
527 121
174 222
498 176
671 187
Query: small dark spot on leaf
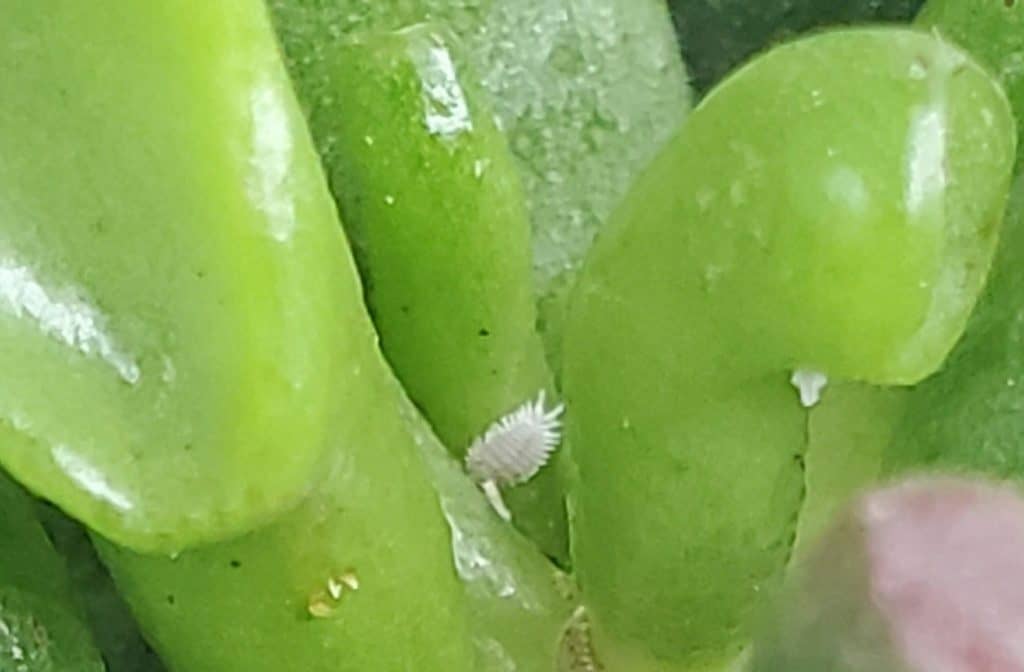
200 274
235 564
99 226
1009 3
170 600
799 459
494 372
404 309
484 331
188 447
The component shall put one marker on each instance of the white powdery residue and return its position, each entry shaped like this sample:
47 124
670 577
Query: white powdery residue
447 112
926 156
90 479
62 316
472 564
271 160
810 385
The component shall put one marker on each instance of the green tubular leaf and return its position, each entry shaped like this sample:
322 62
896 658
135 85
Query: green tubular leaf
41 628
993 32
245 605
967 418
519 602
586 90
432 202
230 165
264 602
848 432
971 403
433 208
717 35
172 308
751 248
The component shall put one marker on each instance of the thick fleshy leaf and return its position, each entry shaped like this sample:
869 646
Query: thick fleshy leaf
587 91
175 302
432 201
847 436
801 220
969 416
355 579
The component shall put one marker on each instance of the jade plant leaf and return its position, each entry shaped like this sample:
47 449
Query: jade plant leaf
587 92
433 204
968 416
751 249
174 315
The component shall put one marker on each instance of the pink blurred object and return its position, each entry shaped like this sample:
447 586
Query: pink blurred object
926 576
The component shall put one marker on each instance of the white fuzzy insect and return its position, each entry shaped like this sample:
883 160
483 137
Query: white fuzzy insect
514 449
